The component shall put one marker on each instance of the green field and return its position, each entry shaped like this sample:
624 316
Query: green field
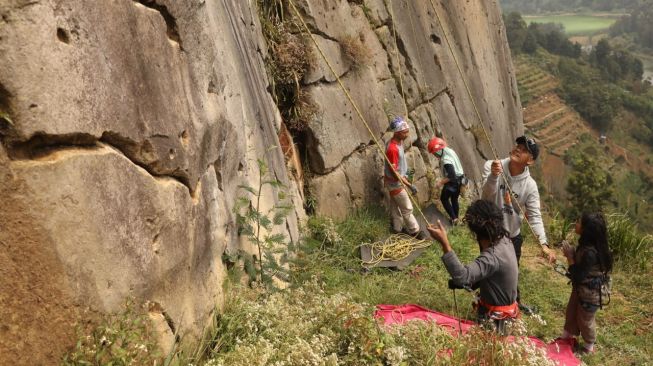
576 24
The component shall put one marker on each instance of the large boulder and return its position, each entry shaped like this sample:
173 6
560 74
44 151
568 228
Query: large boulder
132 125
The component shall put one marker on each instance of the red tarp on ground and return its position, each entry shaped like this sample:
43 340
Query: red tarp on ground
560 351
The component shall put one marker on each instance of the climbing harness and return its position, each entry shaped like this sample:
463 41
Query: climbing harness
498 312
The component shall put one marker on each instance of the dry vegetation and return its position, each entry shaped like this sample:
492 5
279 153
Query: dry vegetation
356 51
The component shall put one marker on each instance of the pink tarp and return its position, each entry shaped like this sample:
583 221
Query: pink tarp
560 351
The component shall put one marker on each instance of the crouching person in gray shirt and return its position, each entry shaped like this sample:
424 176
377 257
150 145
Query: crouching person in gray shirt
494 272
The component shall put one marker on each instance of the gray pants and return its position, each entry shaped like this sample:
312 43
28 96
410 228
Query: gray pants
578 320
401 210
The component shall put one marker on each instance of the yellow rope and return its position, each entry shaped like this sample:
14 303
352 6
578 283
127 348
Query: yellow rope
351 100
395 248
478 114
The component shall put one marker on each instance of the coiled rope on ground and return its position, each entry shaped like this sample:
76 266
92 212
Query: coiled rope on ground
394 248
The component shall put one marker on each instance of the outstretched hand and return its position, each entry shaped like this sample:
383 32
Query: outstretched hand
549 254
567 249
439 233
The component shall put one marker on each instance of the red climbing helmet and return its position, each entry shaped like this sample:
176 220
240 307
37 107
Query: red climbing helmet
436 144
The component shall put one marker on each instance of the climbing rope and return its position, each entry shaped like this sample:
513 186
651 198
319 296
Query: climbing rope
355 106
375 139
478 114
395 248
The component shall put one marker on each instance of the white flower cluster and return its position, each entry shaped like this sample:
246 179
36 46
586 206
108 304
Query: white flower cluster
396 355
326 230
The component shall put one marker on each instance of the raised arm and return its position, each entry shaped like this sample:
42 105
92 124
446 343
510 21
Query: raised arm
490 183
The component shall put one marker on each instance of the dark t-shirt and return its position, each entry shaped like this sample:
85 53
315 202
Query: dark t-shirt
495 270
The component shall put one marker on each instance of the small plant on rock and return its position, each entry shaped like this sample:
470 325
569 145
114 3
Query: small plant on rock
289 59
356 51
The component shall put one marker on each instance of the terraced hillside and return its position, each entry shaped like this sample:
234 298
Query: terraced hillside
554 124
532 81
546 116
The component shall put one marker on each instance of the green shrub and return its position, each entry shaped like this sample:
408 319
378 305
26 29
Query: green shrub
630 247
559 228
259 226
324 230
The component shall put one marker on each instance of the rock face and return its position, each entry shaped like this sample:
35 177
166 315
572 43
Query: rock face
411 71
131 123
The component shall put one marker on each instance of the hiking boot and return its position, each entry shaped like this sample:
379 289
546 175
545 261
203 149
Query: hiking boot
527 310
419 235
393 231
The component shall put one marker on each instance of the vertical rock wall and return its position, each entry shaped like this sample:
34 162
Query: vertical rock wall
413 73
131 124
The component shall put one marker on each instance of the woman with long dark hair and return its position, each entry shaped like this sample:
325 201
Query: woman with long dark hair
590 264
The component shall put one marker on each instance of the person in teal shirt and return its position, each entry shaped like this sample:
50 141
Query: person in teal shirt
453 174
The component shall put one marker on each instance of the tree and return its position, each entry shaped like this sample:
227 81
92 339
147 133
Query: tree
596 100
515 31
588 186
258 226
601 52
639 23
530 43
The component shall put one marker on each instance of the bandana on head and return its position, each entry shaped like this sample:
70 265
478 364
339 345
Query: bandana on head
398 124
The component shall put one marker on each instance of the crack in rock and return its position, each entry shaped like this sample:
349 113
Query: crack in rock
171 23
42 145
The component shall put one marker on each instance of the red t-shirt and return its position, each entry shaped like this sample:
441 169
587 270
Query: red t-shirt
392 152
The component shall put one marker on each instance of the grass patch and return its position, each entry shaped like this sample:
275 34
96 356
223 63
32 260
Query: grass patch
576 24
325 316
624 326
